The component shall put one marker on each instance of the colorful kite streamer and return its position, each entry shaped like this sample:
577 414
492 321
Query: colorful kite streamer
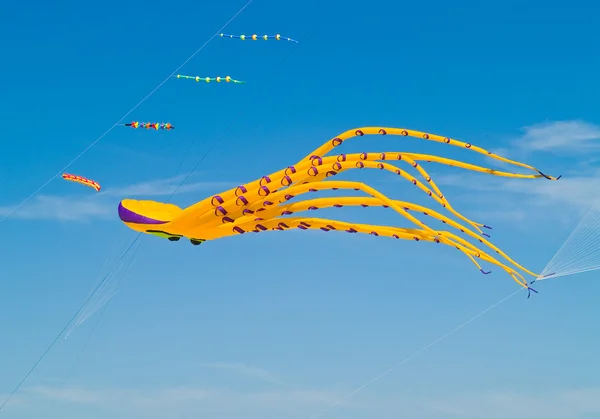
84 181
150 125
256 37
226 79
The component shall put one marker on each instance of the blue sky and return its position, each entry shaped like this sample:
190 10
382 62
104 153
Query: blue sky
282 325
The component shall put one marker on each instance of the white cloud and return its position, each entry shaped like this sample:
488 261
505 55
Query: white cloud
183 399
576 192
580 403
60 208
102 204
573 136
243 369
572 404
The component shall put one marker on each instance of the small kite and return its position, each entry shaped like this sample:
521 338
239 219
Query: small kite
84 181
150 125
265 204
257 37
226 79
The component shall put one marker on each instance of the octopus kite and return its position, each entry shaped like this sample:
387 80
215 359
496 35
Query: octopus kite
150 125
84 181
265 204
257 37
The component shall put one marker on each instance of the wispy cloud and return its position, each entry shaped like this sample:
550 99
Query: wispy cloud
162 187
102 205
578 403
184 400
576 192
243 369
582 403
571 136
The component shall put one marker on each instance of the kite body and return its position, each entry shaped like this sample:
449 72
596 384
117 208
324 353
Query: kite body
266 204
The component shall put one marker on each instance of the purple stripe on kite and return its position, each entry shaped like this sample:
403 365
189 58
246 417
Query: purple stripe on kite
288 197
267 203
227 220
129 216
486 235
238 230
287 213
324 229
337 205
302 227
329 226
484 272
247 211
312 208
364 205
312 190
374 233
385 206
243 199
488 227
260 226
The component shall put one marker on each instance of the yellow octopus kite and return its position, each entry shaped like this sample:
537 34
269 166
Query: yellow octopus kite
263 204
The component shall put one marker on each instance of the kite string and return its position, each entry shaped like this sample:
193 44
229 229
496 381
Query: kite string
243 108
139 234
18 386
124 116
415 354
89 338
579 251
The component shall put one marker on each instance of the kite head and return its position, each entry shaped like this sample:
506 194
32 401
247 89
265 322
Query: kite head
146 215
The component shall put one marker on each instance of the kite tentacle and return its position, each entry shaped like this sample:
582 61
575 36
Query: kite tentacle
359 132
362 162
395 232
468 166
252 201
300 189
315 204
